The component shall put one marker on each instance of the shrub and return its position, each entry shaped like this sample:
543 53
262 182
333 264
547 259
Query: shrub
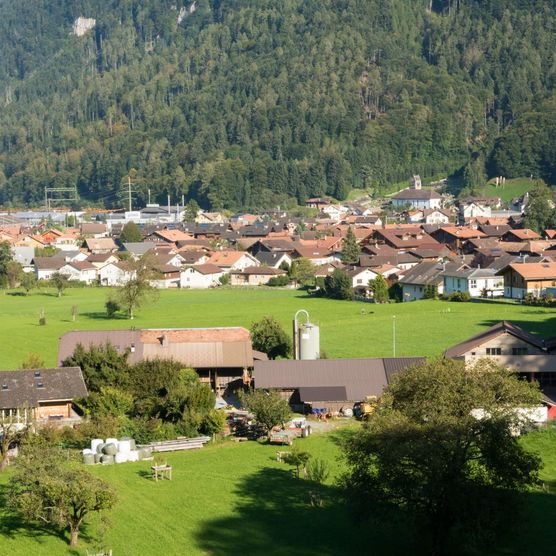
112 307
213 422
278 281
224 279
318 470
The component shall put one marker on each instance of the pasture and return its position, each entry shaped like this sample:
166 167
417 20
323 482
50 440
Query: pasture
348 328
237 500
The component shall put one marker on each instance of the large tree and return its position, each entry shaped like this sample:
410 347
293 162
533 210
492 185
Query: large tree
130 233
6 257
350 248
269 337
269 408
138 289
379 287
302 270
46 489
338 285
441 446
60 282
13 428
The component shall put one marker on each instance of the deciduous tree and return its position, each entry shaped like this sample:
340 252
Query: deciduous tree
441 446
269 337
269 408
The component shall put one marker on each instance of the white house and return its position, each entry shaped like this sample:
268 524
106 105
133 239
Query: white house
201 276
45 267
80 271
417 198
474 281
473 210
114 274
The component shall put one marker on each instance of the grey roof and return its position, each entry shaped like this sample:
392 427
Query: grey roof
427 273
359 377
23 255
416 194
322 393
140 248
470 273
28 387
270 258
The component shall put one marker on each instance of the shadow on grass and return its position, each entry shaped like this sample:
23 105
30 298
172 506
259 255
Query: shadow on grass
12 526
100 315
275 517
546 328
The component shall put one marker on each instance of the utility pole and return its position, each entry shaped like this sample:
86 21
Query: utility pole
169 205
149 193
394 335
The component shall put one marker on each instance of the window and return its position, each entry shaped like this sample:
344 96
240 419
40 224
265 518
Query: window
519 351
494 351
472 283
359 281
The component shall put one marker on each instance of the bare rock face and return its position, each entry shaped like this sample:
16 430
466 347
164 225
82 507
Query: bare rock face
82 25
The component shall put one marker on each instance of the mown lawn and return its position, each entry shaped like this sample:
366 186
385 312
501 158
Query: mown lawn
236 500
348 329
511 189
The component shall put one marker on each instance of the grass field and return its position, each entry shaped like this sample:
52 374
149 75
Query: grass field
236 500
348 329
511 189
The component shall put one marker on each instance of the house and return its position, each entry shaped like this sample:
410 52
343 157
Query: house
138 249
520 235
254 275
100 245
273 259
416 279
454 237
45 267
317 202
529 355
102 259
473 209
93 229
42 395
223 357
477 282
331 384
201 276
168 276
114 274
169 236
360 277
417 198
80 271
522 278
232 260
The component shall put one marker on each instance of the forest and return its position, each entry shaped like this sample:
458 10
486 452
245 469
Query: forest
256 103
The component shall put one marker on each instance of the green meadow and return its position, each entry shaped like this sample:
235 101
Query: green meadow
237 500
348 329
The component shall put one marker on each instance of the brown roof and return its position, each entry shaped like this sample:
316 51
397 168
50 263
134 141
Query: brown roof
523 234
99 257
359 377
102 243
417 194
93 228
502 327
173 235
226 258
28 387
260 270
207 268
49 263
533 271
194 347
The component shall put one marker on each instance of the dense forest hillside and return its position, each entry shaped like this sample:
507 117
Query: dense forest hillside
252 103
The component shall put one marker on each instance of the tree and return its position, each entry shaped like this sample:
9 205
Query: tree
441 446
338 285
191 211
46 489
110 401
350 248
13 428
130 233
32 361
28 281
6 257
102 366
269 408
138 289
302 270
297 459
540 210
14 274
430 291
379 287
60 282
269 337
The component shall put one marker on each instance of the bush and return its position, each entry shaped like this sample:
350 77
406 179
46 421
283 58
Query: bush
457 296
278 281
213 422
112 307
318 470
224 280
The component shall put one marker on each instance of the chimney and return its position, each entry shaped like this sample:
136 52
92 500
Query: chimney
164 341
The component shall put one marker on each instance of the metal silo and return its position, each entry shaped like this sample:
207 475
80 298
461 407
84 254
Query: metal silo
306 338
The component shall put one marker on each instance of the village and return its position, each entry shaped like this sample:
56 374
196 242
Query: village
423 246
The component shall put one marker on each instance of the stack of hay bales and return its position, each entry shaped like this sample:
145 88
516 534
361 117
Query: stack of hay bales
114 451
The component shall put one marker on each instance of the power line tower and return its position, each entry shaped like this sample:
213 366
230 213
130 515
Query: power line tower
59 194
126 194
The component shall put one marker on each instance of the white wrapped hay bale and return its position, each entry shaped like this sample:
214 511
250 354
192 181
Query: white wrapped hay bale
124 447
95 442
133 455
120 457
87 452
112 441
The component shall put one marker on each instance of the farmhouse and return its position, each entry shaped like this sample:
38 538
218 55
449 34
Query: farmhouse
523 278
254 275
417 198
474 281
220 356
42 395
201 276
333 384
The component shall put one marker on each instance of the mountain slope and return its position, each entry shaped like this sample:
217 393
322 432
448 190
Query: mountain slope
252 103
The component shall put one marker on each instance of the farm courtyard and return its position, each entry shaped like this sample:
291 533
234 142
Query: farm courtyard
348 328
